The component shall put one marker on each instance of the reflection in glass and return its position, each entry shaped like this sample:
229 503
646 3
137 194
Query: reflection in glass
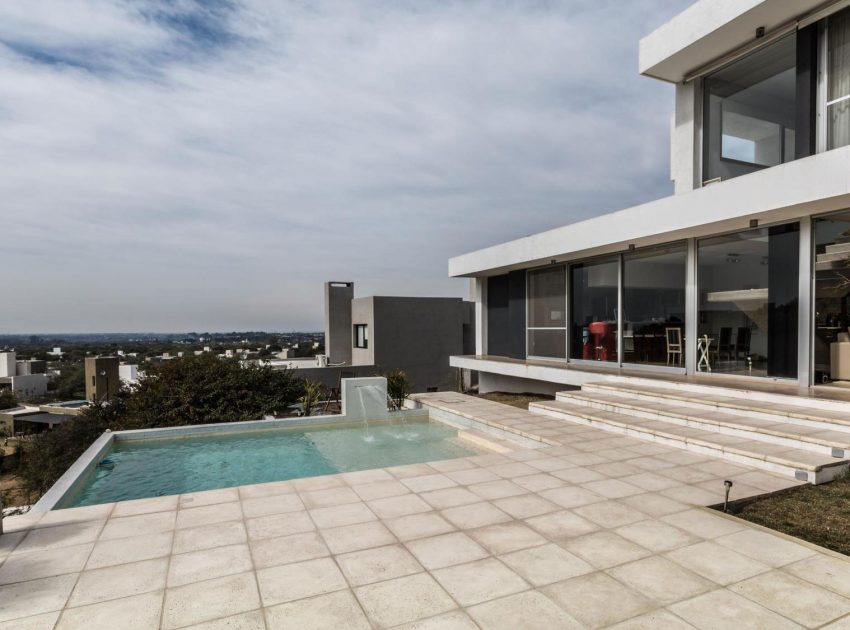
547 305
593 305
750 112
832 298
838 83
654 306
748 302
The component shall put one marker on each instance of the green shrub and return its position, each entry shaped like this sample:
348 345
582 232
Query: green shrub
398 387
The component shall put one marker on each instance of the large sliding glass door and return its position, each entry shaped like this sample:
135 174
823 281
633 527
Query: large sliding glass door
594 304
547 313
749 302
832 298
654 306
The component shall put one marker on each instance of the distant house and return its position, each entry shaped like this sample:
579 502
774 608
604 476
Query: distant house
27 379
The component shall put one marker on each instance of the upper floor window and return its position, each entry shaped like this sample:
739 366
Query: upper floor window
837 98
749 112
361 336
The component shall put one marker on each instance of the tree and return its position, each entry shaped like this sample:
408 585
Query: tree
7 399
398 387
71 384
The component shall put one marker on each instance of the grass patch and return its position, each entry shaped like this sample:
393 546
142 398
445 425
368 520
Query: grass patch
515 400
818 514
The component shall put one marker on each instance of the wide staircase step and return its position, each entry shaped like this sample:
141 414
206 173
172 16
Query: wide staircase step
799 463
812 437
782 408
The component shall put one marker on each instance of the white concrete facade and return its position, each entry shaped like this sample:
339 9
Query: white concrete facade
708 36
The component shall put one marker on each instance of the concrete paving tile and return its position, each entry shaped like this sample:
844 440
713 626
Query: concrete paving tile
841 624
324 612
59 536
610 513
456 620
204 601
138 525
605 549
392 507
800 601
651 481
377 564
25 599
506 537
122 580
724 610
716 563
452 465
657 536
827 571
208 497
276 525
530 610
692 495
446 550
403 600
208 563
562 525
472 475
380 489
415 526
358 536
44 621
359 477
479 581
41 564
299 580
271 552
323 482
514 469
271 489
525 506
548 464
536 483
703 523
209 514
612 488
145 506
578 474
140 612
660 579
767 548
449 497
598 600
340 515
654 505
10 540
208 536
496 489
329 497
475 515
108 553
82 514
656 620
410 470
546 564
424 483
277 504
244 621
571 496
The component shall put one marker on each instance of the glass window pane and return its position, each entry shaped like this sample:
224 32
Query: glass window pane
832 298
748 292
593 304
550 343
547 300
654 306
838 83
750 112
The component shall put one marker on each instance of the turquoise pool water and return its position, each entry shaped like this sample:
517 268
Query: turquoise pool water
189 464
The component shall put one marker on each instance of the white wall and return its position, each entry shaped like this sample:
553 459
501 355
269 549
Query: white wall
30 385
8 367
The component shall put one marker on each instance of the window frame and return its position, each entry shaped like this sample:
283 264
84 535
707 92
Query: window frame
356 336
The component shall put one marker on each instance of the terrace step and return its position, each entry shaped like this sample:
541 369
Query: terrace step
807 437
800 464
783 408
838 247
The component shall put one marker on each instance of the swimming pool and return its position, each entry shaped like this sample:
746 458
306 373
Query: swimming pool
148 468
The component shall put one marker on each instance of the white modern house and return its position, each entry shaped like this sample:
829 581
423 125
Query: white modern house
745 270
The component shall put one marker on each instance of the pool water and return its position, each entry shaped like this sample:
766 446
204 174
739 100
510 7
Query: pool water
188 464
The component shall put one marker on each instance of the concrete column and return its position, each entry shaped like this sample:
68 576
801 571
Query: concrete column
691 308
807 304
338 326
480 297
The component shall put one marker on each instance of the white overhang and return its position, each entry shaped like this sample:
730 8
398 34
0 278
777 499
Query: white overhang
812 185
711 29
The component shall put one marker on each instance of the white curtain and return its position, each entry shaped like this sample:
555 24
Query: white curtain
838 114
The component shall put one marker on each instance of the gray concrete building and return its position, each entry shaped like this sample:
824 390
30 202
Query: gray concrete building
102 378
338 298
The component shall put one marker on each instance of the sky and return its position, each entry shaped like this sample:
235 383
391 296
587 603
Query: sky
205 165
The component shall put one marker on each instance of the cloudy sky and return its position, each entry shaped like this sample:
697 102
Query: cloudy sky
172 165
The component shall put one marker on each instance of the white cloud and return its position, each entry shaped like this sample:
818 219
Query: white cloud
189 165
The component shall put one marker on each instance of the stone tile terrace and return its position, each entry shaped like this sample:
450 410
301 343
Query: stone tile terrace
592 530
